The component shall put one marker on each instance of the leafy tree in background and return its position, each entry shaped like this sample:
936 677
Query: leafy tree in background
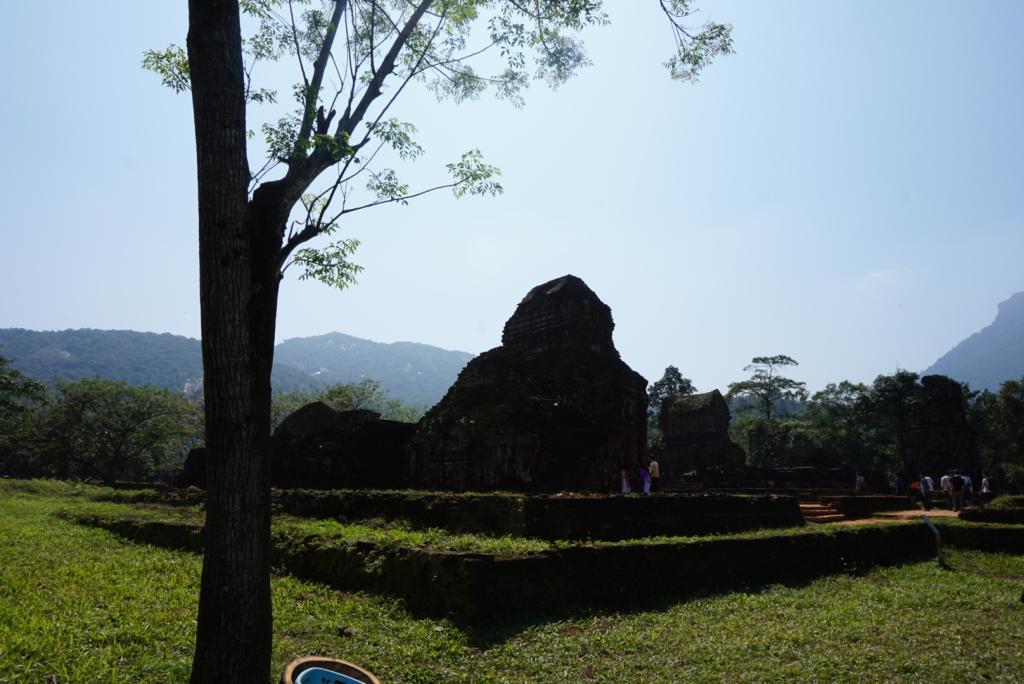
998 419
767 386
887 406
110 430
368 394
354 58
365 394
837 420
764 441
671 386
20 399
18 392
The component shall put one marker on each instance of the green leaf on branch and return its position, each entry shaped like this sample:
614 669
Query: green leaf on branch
280 137
460 86
171 65
695 48
386 186
473 176
398 135
329 265
560 59
262 96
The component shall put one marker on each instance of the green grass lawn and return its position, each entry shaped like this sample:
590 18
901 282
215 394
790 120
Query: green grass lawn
79 604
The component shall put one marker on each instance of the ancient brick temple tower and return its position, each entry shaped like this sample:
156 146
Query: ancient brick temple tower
553 408
939 437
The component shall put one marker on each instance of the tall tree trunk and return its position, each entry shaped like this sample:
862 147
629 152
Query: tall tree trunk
233 637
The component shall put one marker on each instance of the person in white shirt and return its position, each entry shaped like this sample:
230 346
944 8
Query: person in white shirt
946 485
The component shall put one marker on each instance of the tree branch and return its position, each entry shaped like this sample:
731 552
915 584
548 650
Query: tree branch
295 40
319 68
387 67
403 198
274 200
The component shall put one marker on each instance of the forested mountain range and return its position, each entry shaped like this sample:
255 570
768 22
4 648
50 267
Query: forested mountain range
415 373
992 355
412 373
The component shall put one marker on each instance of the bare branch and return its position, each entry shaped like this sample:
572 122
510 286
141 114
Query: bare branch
387 67
456 60
412 73
365 165
403 198
319 67
295 39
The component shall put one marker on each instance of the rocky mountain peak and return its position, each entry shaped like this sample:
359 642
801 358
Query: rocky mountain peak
992 355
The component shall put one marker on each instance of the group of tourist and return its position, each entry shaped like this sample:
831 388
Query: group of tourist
645 479
956 488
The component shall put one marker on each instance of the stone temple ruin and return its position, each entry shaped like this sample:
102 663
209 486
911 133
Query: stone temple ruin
695 435
938 434
553 408
320 448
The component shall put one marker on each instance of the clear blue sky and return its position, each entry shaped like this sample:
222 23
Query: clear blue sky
846 189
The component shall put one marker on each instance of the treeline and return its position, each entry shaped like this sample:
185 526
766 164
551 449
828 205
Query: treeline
854 425
109 430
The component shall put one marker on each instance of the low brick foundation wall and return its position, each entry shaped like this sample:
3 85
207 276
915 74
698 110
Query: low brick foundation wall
993 538
477 586
180 536
606 518
1003 509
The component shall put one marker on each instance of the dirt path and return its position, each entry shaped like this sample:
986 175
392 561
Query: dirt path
895 516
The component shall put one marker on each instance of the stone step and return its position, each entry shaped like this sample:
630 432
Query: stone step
816 520
818 512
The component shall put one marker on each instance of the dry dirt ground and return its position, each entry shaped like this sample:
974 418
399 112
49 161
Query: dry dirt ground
898 515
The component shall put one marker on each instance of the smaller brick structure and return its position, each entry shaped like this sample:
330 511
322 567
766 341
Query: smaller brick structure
938 435
319 448
695 435
322 448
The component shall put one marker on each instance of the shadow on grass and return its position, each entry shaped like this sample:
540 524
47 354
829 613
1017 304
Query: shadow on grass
485 633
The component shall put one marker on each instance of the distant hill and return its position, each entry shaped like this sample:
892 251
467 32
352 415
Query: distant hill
413 373
992 355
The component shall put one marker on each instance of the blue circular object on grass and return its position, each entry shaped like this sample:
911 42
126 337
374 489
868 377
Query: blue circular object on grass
318 675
